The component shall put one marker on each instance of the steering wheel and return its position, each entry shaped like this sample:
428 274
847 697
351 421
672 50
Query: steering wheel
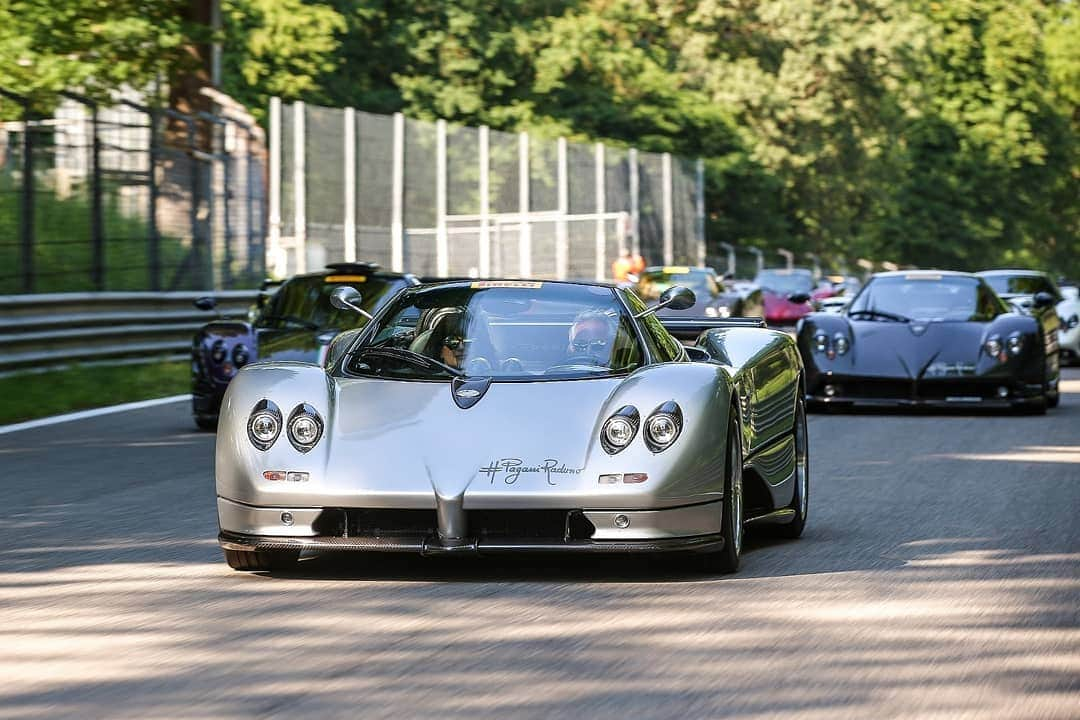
477 366
572 362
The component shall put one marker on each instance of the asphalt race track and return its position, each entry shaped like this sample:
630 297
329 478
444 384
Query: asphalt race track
939 577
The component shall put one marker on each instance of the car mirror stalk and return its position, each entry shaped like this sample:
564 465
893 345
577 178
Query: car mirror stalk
348 298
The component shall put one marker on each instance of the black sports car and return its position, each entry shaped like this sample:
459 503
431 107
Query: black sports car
930 338
297 322
713 299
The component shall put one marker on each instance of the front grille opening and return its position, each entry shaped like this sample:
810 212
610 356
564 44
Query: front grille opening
550 525
374 522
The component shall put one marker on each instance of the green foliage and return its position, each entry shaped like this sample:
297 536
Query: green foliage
92 45
929 132
33 395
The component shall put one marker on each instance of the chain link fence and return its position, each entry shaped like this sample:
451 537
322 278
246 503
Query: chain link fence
128 197
438 199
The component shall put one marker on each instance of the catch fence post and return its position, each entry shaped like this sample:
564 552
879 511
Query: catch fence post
635 212
350 185
397 200
442 241
484 256
153 236
274 256
26 216
97 222
699 209
668 213
562 243
525 229
601 202
299 187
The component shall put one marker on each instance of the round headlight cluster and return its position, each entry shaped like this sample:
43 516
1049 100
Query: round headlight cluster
217 352
1015 344
821 342
993 347
1072 322
240 355
619 429
264 424
305 427
841 344
663 426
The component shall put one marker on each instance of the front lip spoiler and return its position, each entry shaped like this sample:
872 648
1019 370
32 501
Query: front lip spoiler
429 545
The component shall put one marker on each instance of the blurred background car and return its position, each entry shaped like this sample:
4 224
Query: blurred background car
1028 290
295 322
786 294
714 298
933 338
835 304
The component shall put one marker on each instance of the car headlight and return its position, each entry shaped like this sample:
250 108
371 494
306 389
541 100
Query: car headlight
663 426
619 429
240 355
305 427
710 311
264 424
821 342
217 351
841 344
1015 344
993 347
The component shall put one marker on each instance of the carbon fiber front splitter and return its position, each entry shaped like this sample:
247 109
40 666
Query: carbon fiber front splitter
432 545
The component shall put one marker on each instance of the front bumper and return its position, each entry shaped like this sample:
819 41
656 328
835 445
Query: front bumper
999 393
248 527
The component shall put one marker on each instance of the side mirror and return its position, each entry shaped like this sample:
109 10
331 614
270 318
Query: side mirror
799 298
1042 299
676 298
205 303
633 278
348 298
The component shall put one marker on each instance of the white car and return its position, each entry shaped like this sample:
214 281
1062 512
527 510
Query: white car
1069 332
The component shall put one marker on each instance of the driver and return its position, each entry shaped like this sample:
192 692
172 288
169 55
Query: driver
449 335
592 335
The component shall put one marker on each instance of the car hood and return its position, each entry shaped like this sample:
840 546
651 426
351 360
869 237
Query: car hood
916 349
298 345
390 443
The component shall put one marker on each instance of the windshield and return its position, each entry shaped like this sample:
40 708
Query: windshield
655 281
786 282
304 302
514 330
903 298
1020 284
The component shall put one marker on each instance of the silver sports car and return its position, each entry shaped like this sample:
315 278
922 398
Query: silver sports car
510 416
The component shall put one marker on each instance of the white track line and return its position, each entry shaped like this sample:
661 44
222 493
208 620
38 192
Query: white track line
83 414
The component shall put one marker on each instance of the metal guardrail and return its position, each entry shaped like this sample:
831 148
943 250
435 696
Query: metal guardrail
53 330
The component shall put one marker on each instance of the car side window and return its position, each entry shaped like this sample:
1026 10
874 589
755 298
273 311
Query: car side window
989 306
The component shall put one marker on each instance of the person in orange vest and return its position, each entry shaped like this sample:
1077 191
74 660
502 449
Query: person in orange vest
621 267
637 263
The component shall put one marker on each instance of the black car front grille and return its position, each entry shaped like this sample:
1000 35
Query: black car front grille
872 389
530 524
552 525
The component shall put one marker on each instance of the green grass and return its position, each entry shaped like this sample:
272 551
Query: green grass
34 395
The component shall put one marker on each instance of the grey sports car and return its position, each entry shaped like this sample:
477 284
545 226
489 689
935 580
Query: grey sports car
510 416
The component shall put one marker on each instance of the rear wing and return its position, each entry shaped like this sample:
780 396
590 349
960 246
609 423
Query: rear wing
691 328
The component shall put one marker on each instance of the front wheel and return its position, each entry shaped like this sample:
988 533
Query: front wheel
800 501
254 560
726 559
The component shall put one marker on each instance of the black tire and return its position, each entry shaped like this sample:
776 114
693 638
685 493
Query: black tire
726 559
1052 401
261 559
800 502
206 422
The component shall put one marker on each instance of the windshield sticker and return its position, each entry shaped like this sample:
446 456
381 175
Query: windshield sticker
509 470
522 284
922 277
676 270
346 278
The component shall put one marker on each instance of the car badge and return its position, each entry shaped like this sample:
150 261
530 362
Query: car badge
467 391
